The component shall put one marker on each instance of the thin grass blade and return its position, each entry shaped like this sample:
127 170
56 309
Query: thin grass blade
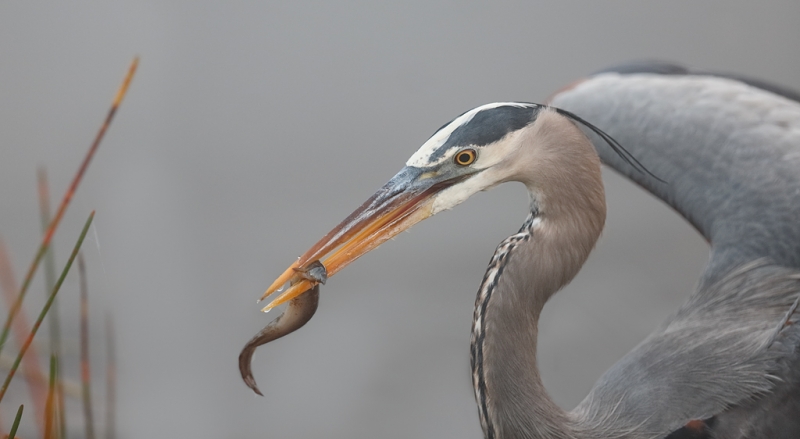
51 229
51 410
86 372
111 380
49 261
46 307
13 433
49 282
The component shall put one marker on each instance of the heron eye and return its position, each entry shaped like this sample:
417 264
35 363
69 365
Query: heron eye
466 157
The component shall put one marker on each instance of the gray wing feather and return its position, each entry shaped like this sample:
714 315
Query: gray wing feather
668 68
711 357
730 154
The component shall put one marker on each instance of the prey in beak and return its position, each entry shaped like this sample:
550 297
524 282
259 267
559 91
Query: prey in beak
402 202
299 311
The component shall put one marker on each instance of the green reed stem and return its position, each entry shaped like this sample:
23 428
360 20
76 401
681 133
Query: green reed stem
47 306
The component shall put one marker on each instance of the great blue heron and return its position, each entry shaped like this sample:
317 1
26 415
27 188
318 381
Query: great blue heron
724 152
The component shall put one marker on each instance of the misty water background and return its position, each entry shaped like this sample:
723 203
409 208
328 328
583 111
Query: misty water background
252 129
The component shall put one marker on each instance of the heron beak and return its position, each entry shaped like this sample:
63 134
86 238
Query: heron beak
402 202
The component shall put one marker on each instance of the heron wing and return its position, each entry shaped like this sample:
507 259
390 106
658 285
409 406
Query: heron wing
712 358
729 151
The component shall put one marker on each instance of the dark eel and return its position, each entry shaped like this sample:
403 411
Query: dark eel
297 313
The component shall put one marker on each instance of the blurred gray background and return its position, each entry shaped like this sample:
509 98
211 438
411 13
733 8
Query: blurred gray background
252 129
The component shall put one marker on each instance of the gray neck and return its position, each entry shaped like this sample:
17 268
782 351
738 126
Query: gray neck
526 270
512 401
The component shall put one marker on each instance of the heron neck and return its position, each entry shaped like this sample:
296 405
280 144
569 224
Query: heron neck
525 271
512 400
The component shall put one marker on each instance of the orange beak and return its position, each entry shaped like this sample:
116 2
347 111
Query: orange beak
402 202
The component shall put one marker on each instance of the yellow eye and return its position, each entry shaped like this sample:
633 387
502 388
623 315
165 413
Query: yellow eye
466 157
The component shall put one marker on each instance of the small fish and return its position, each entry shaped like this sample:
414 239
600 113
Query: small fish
297 313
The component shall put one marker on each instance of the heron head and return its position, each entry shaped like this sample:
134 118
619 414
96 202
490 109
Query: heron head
474 152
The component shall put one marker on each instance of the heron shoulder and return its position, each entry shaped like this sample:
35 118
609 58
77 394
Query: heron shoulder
729 153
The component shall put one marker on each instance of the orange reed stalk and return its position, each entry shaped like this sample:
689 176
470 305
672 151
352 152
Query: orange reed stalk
34 376
48 236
